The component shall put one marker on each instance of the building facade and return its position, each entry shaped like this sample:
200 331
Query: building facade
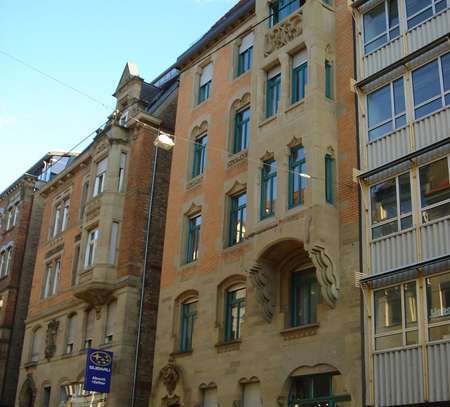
403 85
102 232
20 221
258 302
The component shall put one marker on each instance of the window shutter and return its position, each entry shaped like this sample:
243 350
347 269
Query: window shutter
102 166
207 74
299 58
110 318
90 320
273 72
71 329
247 42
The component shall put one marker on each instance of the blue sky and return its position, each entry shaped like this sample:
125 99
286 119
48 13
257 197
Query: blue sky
85 44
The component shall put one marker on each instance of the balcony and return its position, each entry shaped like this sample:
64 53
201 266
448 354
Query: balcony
95 285
408 42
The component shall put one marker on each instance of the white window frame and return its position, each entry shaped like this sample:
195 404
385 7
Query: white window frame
100 177
427 322
432 6
91 246
122 170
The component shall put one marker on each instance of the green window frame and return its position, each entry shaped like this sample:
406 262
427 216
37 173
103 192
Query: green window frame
299 81
328 80
198 165
245 61
238 217
193 238
329 178
297 181
316 390
268 189
273 95
280 9
204 91
234 312
304 297
188 315
241 130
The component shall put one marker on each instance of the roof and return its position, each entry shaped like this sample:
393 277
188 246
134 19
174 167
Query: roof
242 8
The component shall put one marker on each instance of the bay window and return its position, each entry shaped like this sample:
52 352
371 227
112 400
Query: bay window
280 9
100 176
390 206
90 248
386 109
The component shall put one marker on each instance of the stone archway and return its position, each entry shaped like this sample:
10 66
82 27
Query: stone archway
27 394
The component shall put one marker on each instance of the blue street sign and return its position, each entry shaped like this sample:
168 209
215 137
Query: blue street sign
97 376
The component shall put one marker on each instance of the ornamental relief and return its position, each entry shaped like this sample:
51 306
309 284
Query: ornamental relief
283 33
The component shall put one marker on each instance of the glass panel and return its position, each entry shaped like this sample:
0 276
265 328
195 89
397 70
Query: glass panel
322 385
376 43
393 14
410 305
441 5
406 223
374 22
387 342
384 230
438 298
399 96
426 84
400 121
379 106
428 108
426 14
435 213
438 333
380 131
383 201
405 193
388 310
302 387
414 6
434 183
445 62
412 338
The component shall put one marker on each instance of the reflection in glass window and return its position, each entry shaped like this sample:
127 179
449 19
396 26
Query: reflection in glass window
234 312
304 298
435 190
273 92
245 57
438 304
418 11
431 86
395 316
268 188
241 130
238 217
194 224
380 25
280 9
188 316
390 206
386 109
297 177
198 165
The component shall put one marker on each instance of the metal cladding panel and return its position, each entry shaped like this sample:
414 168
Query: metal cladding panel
398 377
428 31
394 251
439 371
388 148
432 128
436 239
383 57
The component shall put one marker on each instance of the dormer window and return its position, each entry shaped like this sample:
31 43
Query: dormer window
280 9
205 83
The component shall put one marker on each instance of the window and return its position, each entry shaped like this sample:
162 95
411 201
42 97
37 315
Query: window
386 109
188 314
46 396
251 395
84 195
418 11
198 167
241 130
100 176
390 206
328 80
268 188
194 224
122 166
113 242
431 86
318 390
438 305
435 190
5 261
16 214
90 248
280 9
273 91
299 75
304 298
238 216
11 216
297 179
75 261
61 217
36 344
205 83
381 24
51 278
329 178
89 329
245 53
209 397
396 316
234 312
70 338
110 321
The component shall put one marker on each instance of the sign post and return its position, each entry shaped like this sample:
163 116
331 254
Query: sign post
97 376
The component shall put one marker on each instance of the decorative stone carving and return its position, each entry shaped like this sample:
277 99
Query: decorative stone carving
171 401
236 403
281 400
50 341
283 33
326 274
262 278
170 374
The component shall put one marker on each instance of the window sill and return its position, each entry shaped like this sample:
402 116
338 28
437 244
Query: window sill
268 120
182 354
30 364
186 266
237 158
295 105
230 346
67 355
193 182
235 247
106 345
299 331
243 74
198 104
